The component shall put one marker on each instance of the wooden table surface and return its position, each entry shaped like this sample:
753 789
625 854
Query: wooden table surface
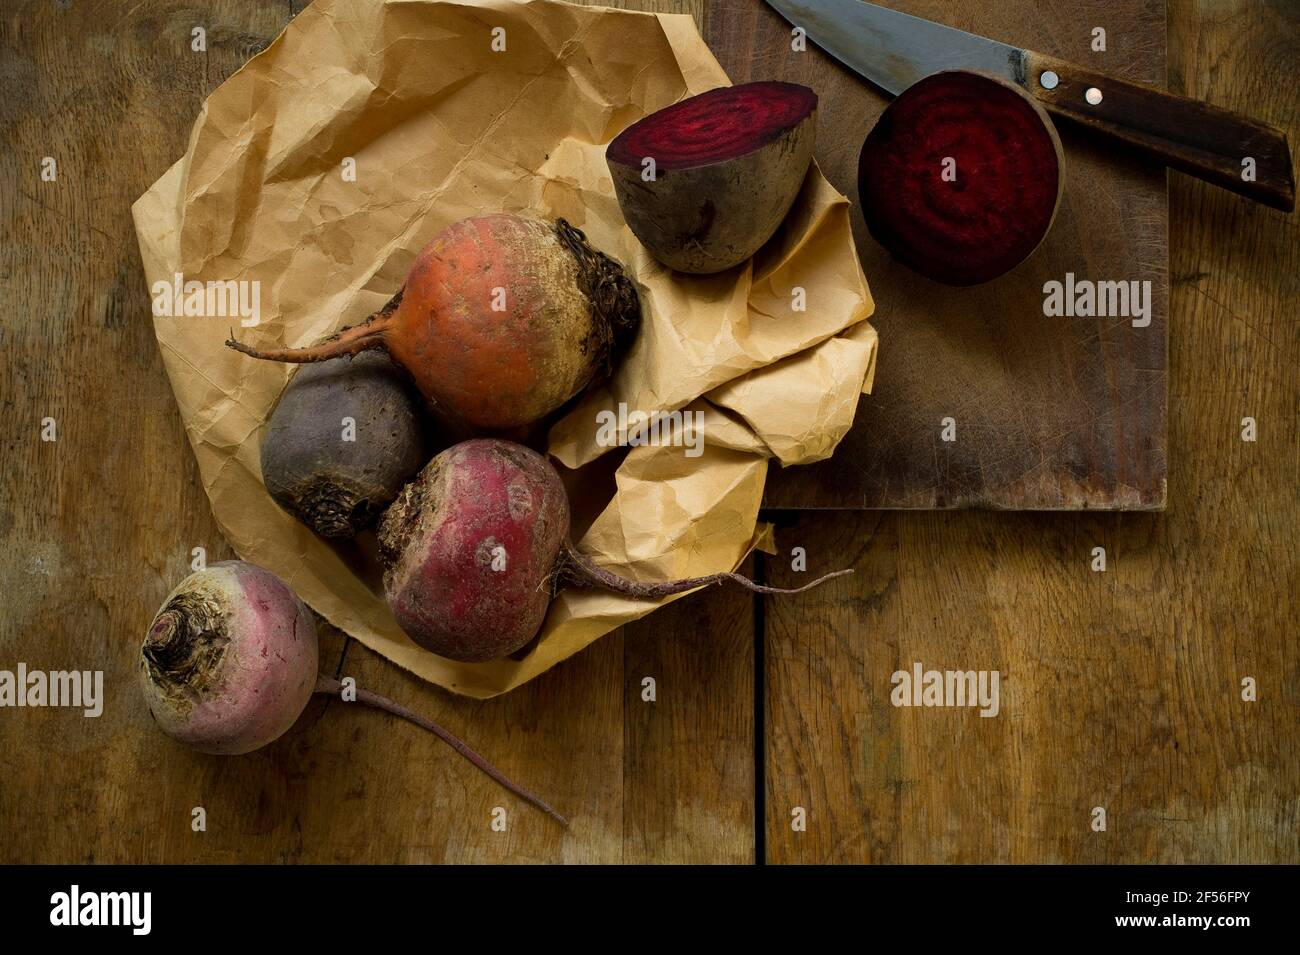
1120 689
1048 413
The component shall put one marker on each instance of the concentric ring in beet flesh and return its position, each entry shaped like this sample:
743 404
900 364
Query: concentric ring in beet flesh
715 126
1002 160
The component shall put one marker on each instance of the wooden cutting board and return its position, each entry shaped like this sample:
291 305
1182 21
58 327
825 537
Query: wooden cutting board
1046 412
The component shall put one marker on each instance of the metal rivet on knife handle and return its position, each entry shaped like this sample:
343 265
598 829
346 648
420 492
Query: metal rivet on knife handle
894 50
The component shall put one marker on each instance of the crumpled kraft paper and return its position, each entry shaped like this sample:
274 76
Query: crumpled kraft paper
321 168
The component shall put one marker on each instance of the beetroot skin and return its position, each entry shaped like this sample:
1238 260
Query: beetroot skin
229 664
502 319
339 487
469 546
985 220
728 165
476 546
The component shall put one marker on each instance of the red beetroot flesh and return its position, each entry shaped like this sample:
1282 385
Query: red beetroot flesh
714 126
1003 199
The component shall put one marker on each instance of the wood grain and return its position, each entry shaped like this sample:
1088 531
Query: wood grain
1050 413
1194 137
1120 689
97 526
690 756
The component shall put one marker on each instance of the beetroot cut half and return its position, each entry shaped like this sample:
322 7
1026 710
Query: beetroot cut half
705 182
961 177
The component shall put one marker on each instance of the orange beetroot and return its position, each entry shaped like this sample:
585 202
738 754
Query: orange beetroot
501 320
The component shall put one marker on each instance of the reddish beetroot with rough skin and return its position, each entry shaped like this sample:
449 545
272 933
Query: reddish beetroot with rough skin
469 545
501 321
1002 188
475 547
728 164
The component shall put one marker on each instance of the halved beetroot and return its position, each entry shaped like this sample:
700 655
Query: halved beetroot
727 165
961 177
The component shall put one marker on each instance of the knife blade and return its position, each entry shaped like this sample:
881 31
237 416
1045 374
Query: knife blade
893 50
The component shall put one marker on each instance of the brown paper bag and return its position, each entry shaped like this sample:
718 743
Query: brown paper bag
318 171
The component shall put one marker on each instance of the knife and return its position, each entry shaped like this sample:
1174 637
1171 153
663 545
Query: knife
894 50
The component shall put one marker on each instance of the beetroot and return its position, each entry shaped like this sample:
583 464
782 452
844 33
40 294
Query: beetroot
502 319
727 166
344 438
961 177
229 664
476 546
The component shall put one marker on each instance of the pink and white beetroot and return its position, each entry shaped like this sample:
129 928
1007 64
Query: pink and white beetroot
230 662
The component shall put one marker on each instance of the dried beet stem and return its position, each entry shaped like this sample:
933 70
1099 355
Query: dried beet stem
351 341
578 570
331 687
332 509
615 305
183 649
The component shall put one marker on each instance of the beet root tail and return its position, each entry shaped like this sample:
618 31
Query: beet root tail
351 341
332 687
579 571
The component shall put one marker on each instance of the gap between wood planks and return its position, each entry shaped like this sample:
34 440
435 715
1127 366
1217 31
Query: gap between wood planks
760 736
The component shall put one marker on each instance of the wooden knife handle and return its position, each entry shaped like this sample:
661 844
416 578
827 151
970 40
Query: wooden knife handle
1204 141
